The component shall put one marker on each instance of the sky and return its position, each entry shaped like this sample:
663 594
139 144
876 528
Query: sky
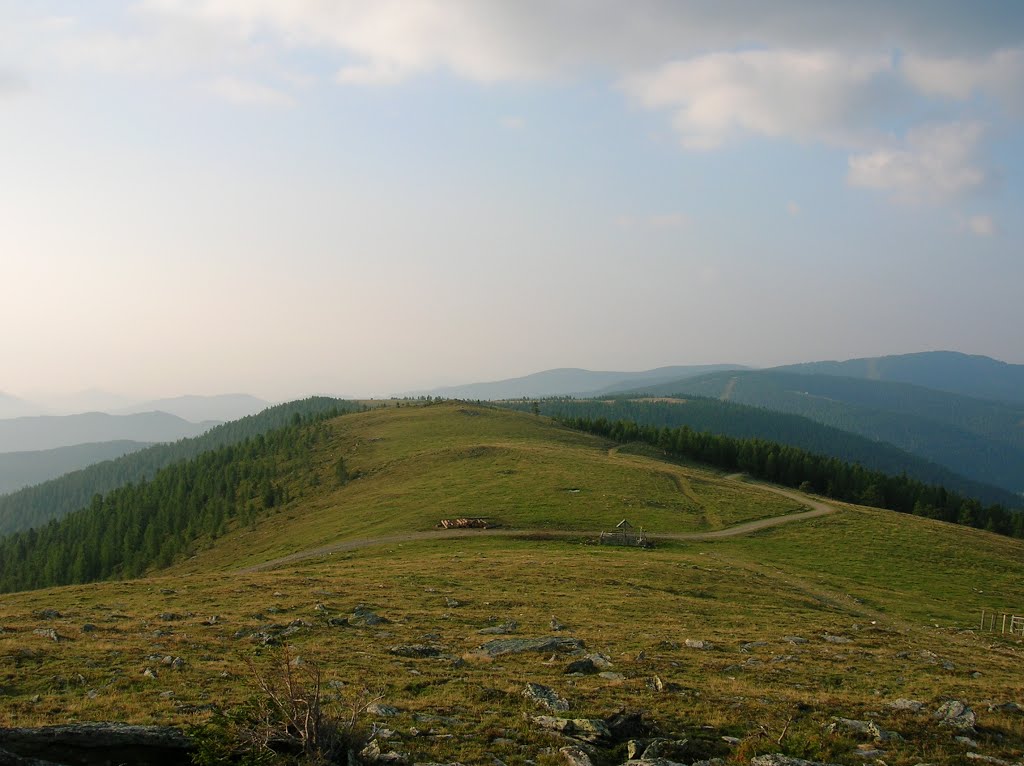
287 197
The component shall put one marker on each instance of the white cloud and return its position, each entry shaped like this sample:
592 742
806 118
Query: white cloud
999 75
777 93
248 93
935 163
494 40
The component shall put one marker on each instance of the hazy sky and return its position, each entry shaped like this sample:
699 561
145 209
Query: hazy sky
296 196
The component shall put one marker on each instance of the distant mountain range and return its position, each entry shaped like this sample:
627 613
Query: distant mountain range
569 381
978 376
23 469
962 412
978 438
221 407
35 505
43 432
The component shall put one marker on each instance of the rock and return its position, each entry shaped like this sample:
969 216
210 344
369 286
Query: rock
500 646
584 667
168 616
177 663
988 759
837 639
679 751
47 614
912 706
1010 708
625 725
575 756
965 741
609 675
545 696
794 639
415 650
373 754
365 618
8 758
778 759
591 730
149 673
213 619
99 743
731 740
49 633
753 645
863 728
557 625
451 603
500 630
957 715
88 628
382 710
693 643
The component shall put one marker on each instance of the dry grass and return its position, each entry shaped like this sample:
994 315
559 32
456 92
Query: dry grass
904 591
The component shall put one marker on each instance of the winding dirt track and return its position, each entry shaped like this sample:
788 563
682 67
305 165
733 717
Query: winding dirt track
818 508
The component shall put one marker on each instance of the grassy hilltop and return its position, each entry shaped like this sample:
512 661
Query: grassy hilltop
835 616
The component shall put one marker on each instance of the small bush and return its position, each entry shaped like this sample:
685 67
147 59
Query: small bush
288 720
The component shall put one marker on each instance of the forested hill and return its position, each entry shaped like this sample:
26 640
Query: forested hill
741 421
977 438
35 506
23 469
969 374
794 467
185 505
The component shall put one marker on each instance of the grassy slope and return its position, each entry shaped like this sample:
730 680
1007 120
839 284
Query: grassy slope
901 588
422 464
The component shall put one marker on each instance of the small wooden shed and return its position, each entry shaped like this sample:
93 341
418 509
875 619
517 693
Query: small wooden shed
624 534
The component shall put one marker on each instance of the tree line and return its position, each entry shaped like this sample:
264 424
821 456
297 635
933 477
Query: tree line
37 505
745 422
810 472
184 506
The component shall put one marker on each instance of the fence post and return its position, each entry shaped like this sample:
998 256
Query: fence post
982 619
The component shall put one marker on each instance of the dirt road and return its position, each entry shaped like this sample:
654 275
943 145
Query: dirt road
818 508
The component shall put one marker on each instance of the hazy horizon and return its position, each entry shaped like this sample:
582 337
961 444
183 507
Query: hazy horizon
286 198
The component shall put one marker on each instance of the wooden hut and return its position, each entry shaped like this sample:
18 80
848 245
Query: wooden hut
625 534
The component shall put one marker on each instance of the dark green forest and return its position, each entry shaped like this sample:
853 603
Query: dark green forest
35 506
154 522
979 439
746 422
809 472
